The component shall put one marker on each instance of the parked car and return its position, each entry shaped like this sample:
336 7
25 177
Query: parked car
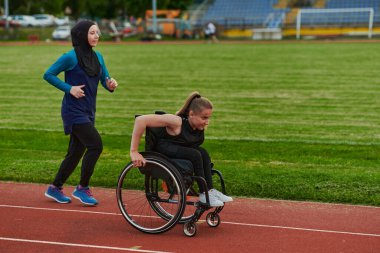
11 22
60 21
24 20
128 30
62 33
44 19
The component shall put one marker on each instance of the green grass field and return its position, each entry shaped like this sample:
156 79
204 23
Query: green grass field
296 121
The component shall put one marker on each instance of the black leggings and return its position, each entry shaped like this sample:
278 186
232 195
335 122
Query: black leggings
198 156
83 136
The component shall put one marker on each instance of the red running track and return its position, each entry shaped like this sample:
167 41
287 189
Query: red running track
29 222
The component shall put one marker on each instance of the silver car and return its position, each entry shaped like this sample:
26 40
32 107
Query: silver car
62 33
44 19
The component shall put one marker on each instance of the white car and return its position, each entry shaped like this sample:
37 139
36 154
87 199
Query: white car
44 19
11 22
62 33
60 21
24 20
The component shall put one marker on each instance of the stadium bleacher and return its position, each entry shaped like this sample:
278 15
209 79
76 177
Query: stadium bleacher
343 18
375 4
262 13
257 13
352 3
241 17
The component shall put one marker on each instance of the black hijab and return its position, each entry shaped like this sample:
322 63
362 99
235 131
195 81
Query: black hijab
87 58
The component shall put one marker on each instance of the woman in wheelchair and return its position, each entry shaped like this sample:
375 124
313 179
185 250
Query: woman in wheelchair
180 138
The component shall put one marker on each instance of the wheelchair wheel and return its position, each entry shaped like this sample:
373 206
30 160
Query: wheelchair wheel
166 213
190 229
162 210
191 199
143 200
213 219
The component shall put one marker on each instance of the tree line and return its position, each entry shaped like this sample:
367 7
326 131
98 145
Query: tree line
92 8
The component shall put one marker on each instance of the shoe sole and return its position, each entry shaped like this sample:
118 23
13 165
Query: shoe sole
204 203
61 202
86 203
226 201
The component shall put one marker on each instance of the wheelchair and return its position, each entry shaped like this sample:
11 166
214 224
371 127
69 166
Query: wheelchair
163 193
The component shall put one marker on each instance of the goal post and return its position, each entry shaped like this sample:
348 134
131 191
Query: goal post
336 11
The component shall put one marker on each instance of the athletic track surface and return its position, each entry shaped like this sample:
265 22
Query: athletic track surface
29 222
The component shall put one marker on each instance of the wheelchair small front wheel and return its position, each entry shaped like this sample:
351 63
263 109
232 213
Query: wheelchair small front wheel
190 228
213 219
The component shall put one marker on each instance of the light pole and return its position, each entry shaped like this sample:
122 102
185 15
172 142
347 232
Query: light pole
154 7
6 9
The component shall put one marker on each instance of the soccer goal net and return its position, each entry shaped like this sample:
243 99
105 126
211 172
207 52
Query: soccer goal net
327 18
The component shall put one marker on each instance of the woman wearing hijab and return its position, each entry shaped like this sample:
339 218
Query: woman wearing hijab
83 68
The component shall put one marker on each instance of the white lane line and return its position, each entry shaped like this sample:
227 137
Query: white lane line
303 229
56 209
80 245
224 222
71 210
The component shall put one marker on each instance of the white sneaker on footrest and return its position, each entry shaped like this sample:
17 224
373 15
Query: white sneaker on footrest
214 202
220 196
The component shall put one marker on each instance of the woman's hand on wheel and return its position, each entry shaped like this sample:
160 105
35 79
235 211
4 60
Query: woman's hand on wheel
137 159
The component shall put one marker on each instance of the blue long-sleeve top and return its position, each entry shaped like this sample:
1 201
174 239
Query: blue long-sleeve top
74 110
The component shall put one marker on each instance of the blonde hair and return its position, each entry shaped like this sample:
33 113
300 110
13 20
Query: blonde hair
194 102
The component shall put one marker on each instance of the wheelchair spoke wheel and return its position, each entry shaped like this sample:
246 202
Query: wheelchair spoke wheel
151 198
190 209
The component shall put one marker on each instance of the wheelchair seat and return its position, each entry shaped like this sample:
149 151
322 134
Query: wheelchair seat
185 167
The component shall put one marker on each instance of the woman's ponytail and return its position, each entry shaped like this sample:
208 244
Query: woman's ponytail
194 102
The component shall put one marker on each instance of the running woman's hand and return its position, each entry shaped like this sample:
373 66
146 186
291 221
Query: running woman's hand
111 84
77 91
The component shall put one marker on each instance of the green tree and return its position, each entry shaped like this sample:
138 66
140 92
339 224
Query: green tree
76 7
93 8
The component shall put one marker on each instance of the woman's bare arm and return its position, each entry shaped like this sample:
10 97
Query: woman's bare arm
171 122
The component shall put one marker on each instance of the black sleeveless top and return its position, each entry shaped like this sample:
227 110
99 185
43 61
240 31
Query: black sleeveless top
187 138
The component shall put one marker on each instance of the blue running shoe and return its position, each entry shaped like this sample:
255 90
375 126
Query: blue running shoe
84 194
56 193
